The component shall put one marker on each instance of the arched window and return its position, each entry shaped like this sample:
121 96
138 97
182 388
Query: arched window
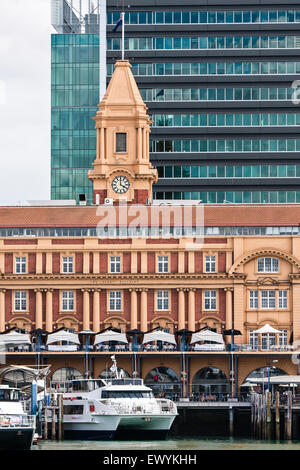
163 380
17 378
262 373
210 381
66 373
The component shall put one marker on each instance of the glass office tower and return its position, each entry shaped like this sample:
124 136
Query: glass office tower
218 83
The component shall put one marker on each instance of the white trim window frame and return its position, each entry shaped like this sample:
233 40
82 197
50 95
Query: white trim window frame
115 264
162 300
67 264
20 301
210 264
268 265
210 300
268 299
282 299
163 264
253 299
67 301
115 300
20 264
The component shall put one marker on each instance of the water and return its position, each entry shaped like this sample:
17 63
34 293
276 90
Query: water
180 444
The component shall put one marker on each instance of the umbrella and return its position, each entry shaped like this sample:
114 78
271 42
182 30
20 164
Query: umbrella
207 336
110 335
159 335
62 335
266 329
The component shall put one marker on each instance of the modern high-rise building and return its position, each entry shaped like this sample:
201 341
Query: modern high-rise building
218 81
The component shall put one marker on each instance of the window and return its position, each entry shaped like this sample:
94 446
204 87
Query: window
20 301
283 338
210 264
268 340
121 142
67 264
253 339
210 300
115 300
67 300
162 300
268 265
253 299
163 264
282 299
20 264
268 299
115 264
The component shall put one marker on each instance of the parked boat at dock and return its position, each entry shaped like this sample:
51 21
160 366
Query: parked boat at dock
17 428
118 406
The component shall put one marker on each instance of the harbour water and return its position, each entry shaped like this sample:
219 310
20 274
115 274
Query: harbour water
184 444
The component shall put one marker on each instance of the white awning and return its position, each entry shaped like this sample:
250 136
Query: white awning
278 380
63 336
15 338
207 335
159 335
110 336
267 329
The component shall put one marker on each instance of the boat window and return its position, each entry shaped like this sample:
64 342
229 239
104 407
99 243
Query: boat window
86 385
9 395
73 409
126 394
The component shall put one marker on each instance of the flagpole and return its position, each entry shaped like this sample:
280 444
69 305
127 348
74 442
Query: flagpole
123 33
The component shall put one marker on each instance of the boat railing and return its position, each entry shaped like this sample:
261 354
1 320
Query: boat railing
17 421
166 406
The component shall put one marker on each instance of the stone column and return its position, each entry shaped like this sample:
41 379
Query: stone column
238 318
38 308
96 310
139 144
49 310
86 309
133 309
295 308
2 309
102 144
191 312
144 309
144 143
181 309
228 322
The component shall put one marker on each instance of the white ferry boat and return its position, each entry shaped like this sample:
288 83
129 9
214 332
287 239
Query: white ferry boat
16 426
85 416
115 407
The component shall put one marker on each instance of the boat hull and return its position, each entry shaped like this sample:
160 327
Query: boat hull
16 438
101 428
145 426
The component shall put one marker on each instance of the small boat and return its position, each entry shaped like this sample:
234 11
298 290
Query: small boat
17 428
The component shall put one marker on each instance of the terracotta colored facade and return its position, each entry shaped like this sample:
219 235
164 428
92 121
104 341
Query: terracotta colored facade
85 281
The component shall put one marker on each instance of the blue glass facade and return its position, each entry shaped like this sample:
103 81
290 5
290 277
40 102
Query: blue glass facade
218 84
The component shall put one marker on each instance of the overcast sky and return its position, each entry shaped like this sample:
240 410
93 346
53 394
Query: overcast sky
25 55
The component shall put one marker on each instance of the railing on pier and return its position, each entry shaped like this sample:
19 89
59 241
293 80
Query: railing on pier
213 397
147 348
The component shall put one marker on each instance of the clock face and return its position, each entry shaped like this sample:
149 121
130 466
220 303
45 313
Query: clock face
120 184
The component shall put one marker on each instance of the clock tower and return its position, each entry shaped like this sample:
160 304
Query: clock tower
122 169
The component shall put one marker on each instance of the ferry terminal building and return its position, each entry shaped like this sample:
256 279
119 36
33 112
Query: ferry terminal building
232 266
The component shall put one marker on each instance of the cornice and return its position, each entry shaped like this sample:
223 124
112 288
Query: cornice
114 277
